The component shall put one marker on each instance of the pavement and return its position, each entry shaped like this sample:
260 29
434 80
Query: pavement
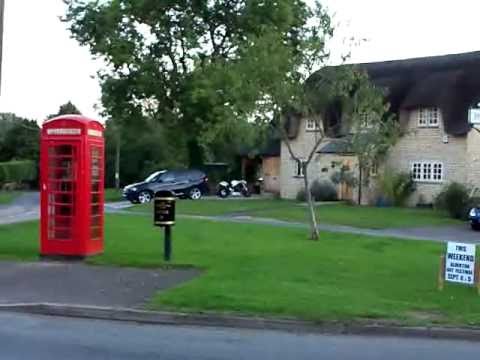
79 284
39 337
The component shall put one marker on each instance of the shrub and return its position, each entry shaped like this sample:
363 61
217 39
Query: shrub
320 190
454 198
396 188
301 196
18 171
323 191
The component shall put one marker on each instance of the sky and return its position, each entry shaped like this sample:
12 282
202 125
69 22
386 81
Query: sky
44 68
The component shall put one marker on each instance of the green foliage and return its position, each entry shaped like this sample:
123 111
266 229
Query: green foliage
344 176
323 191
144 148
396 187
18 171
320 190
208 69
454 198
19 138
301 195
66 109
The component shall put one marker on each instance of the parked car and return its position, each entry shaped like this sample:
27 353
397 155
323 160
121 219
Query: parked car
192 184
474 217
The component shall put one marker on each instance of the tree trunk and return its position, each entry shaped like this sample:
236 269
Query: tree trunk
314 234
360 180
117 161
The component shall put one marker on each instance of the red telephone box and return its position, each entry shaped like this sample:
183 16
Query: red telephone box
71 186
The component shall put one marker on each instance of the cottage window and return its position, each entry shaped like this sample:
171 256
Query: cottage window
428 117
312 125
299 168
427 171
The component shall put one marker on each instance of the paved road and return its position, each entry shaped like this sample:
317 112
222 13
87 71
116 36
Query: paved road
49 338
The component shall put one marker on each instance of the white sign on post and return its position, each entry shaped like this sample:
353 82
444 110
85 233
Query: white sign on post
460 263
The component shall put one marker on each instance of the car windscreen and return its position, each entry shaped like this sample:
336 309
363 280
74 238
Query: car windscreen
152 177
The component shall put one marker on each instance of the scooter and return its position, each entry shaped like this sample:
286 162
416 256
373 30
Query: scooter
233 188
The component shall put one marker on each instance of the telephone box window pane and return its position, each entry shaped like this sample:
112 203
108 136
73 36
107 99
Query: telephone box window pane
95 210
96 220
96 232
61 186
95 198
62 234
60 150
95 186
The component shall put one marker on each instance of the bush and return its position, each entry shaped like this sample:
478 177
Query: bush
18 171
396 188
320 190
301 195
454 198
323 191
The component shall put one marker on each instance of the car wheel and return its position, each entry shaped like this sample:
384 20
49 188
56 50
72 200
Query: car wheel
475 227
195 193
144 197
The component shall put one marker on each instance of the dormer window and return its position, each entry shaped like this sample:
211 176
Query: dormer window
428 117
312 125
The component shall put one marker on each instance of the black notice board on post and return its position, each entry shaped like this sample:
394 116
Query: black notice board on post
164 209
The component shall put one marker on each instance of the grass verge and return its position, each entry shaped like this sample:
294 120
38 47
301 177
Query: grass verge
337 214
277 271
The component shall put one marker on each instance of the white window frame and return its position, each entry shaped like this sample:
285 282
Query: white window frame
299 169
312 125
428 171
428 117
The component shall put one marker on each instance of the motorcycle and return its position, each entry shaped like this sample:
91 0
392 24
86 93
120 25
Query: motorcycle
233 188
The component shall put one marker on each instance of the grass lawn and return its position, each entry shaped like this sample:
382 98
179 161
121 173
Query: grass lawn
340 214
221 207
277 271
112 194
363 216
6 197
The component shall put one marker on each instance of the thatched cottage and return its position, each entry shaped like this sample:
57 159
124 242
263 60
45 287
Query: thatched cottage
431 97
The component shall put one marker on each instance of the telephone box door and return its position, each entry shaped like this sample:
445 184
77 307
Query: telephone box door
60 180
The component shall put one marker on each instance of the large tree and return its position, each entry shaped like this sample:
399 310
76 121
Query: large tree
66 109
201 66
208 67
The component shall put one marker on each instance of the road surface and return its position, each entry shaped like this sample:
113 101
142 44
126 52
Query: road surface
49 338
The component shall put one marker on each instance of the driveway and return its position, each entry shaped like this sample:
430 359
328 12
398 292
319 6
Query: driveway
26 207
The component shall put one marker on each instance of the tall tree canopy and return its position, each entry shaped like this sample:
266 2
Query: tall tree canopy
66 109
204 66
18 138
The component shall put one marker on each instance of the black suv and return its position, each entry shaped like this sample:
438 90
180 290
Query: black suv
183 183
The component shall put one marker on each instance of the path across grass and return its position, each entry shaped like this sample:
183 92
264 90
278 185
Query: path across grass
277 271
7 197
335 214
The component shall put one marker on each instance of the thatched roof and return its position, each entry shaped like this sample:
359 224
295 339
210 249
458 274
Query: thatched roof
449 82
337 146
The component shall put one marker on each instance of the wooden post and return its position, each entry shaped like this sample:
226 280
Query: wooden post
477 276
441 273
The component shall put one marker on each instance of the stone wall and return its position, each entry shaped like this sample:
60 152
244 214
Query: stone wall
429 144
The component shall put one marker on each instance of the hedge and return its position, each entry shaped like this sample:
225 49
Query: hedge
18 171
